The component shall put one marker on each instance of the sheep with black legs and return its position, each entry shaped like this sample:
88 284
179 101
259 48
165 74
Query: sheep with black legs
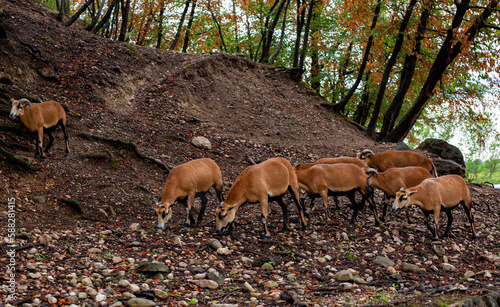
184 183
336 180
262 183
393 179
349 160
435 194
396 158
40 117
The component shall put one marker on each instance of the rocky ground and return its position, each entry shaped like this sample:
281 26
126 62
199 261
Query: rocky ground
85 230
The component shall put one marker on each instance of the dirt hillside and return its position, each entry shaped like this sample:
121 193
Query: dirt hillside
132 115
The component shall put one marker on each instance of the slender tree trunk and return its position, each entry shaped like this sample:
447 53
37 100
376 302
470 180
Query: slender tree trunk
270 32
181 22
282 37
63 9
340 107
125 13
106 17
217 24
370 131
236 30
96 17
407 73
450 49
316 67
189 26
301 16
78 13
306 37
159 36
365 104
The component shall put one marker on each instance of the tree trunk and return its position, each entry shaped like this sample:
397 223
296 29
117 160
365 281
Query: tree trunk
450 49
78 13
365 105
181 22
409 66
306 37
159 36
63 9
188 28
370 131
340 107
282 37
217 24
301 16
106 17
96 17
270 32
125 13
316 67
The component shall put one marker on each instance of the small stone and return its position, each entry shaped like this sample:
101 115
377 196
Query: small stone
469 274
267 267
383 261
224 251
134 288
82 296
135 227
116 260
160 294
87 282
248 288
201 142
123 283
140 302
177 241
271 284
448 267
344 275
207 283
214 243
408 267
391 270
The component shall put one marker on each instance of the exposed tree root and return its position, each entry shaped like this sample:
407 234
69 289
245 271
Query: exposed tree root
124 144
17 161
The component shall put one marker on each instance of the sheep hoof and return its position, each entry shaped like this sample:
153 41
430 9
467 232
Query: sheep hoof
266 237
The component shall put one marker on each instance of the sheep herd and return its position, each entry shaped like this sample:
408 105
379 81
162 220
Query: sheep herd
407 176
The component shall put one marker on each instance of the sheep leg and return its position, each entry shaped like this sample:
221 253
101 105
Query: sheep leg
294 191
264 206
470 217
373 207
428 222
204 202
385 205
284 209
218 192
450 220
324 197
66 140
189 204
39 144
51 140
337 204
355 207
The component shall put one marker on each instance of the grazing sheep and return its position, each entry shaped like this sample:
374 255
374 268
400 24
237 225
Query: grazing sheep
184 183
393 179
38 117
335 180
262 183
436 194
396 158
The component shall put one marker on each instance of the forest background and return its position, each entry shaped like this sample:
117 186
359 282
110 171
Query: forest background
402 70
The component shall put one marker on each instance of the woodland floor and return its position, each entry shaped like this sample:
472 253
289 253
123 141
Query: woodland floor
76 212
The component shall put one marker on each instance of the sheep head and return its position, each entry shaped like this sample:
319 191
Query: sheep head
164 213
17 108
403 199
225 216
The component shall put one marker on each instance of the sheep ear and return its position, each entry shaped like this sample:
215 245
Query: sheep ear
402 190
12 100
412 192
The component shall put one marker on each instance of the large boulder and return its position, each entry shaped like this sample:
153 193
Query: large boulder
448 167
443 150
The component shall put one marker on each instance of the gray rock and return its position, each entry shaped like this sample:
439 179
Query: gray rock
206 283
448 167
140 302
344 275
443 150
214 275
448 267
408 267
201 142
438 249
401 146
248 288
383 261
271 284
214 243
154 268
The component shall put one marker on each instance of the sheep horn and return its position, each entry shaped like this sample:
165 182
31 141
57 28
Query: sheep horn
24 100
371 171
367 151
